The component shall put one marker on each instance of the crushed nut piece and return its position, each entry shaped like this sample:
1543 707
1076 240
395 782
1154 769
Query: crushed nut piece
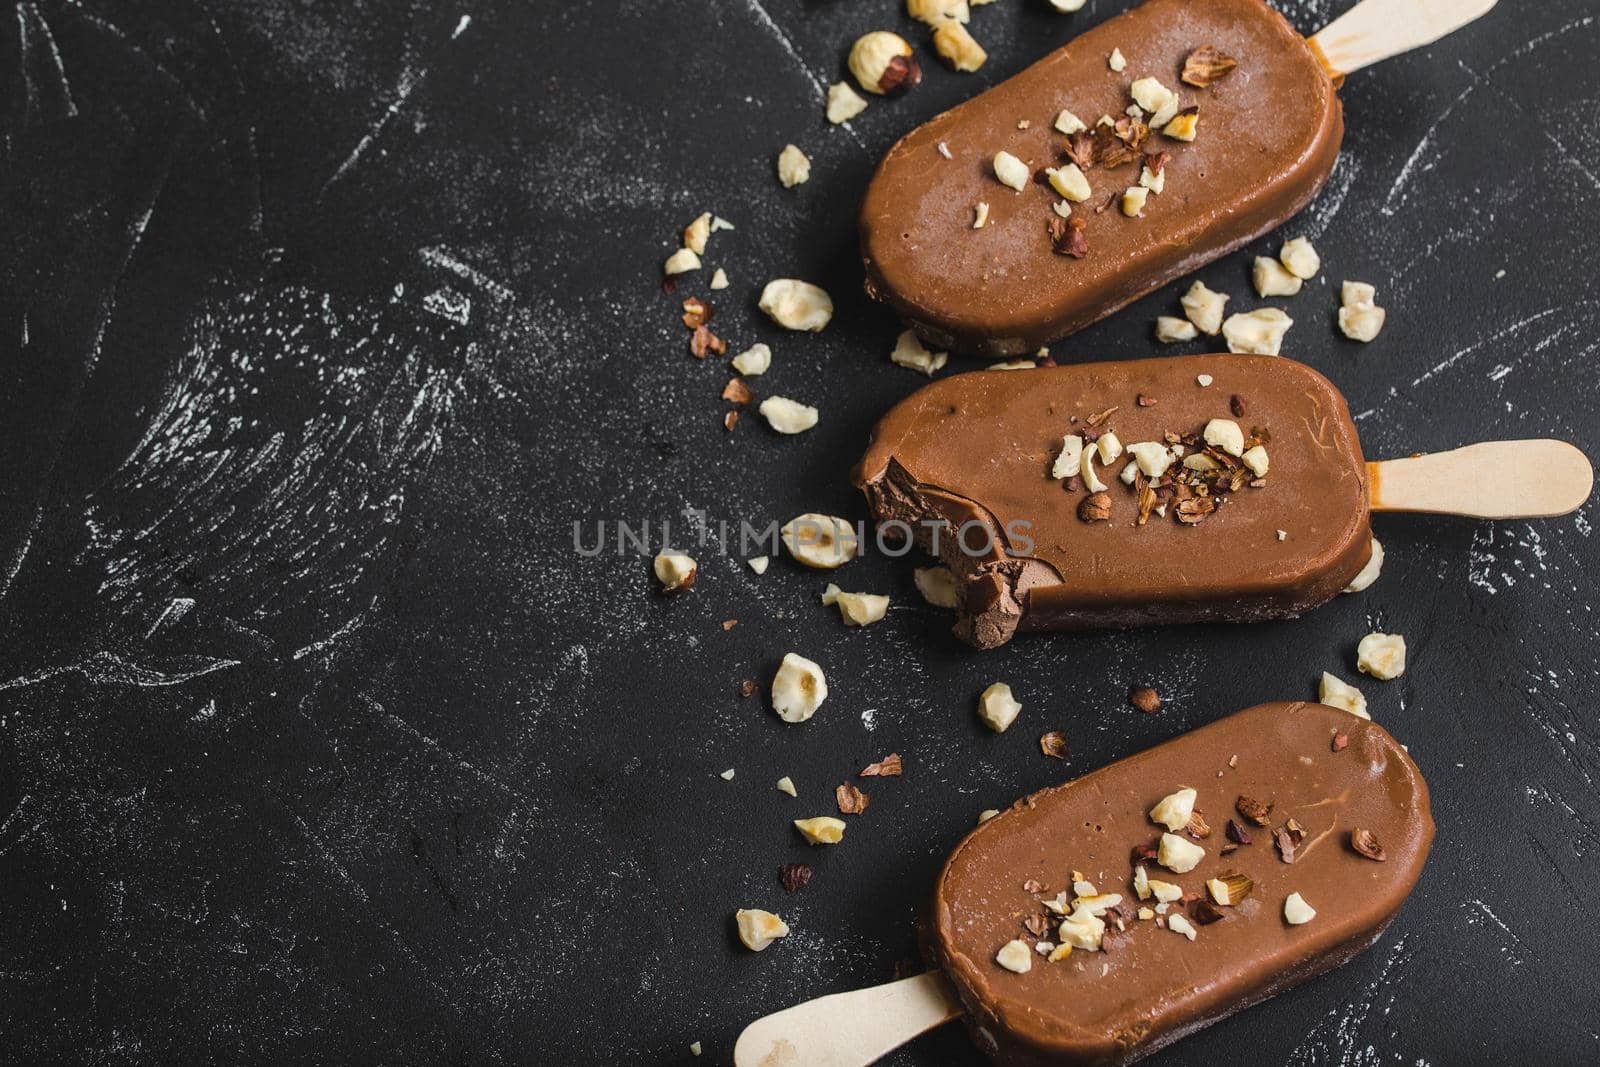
786 785
681 261
1382 655
1174 809
796 305
1366 843
1096 507
1070 461
910 352
794 876
1259 332
727 775
957 47
933 12
883 63
703 342
1271 278
1015 956
1255 458
798 689
1337 693
753 361
697 232
1116 61
938 586
1226 435
1070 182
1296 912
844 103
822 830
1183 125
758 929
1172 330
851 801
1361 324
719 279
1204 308
986 814
675 572
737 392
794 167
888 767
1069 124
998 708
1229 889
788 416
1011 171
1179 925
1205 66
820 541
1133 201
1368 573
1253 809
980 214
1054 744
857 609
1179 855
759 563
1300 258
1237 833
1145 699
1067 236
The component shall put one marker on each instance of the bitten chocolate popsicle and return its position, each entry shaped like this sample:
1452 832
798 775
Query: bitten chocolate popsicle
1098 921
1002 224
1223 488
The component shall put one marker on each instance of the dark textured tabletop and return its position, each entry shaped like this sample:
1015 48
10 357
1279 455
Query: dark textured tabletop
321 325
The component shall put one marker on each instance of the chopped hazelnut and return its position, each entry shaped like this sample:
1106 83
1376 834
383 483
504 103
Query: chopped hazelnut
1183 125
1205 65
1382 655
695 1049
1256 459
910 352
1357 294
844 103
857 609
1153 97
1070 182
719 279
1109 446
1015 956
1133 201
933 12
957 47
675 572
1152 457
938 586
1011 171
822 830
786 785
883 63
1179 925
1070 460
820 541
1069 124
1365 843
1259 332
1091 480
1369 573
758 929
1067 7
1144 699
1153 180
1300 258
1225 434
753 361
1174 809
798 689
1203 380
680 262
727 775
1204 308
1296 912
697 232
787 416
998 708
737 392
1179 855
796 305
1116 61
1272 279
1013 364
986 814
794 168
1361 324
1096 507
1337 693
980 214
1230 888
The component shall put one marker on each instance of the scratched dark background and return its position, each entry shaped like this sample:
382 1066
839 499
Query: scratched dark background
320 326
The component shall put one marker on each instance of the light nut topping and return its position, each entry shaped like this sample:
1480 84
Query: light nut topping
1357 294
933 12
1337 693
1171 330
823 830
1059 953
820 541
858 609
998 708
1296 912
1151 95
759 563
1225 434
1110 446
1179 925
1361 324
1230 889
1070 182
957 47
675 572
1155 181
1203 380
681 262
753 361
1062 208
1204 308
1272 279
980 214
1174 810
1200 462
1178 855
794 168
796 305
883 63
1165 892
986 814
1152 457
758 929
910 352
1116 61
1070 460
1184 125
798 689
1382 655
1015 956
1091 480
1255 457
1011 171
1259 332
719 279
938 586
786 785
1133 201
787 416
1069 124
1067 7
1141 882
1082 930
1369 573
697 232
1300 258
844 103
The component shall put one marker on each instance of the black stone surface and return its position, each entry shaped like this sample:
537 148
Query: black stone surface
321 325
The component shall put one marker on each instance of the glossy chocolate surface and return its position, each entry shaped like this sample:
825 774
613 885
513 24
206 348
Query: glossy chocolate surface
1269 134
1151 985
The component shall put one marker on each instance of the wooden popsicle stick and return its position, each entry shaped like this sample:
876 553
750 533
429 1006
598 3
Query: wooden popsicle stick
1492 480
848 1029
1377 29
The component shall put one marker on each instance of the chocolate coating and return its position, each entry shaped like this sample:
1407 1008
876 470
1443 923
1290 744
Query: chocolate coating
1268 137
1158 985
977 448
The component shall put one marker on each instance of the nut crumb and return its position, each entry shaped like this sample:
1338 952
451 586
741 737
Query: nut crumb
1054 744
785 784
888 767
1116 61
794 167
1145 699
844 103
1205 66
794 876
851 801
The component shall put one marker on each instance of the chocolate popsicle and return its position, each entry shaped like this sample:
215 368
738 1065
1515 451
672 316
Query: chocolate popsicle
1261 145
1242 499
1155 978
1062 927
